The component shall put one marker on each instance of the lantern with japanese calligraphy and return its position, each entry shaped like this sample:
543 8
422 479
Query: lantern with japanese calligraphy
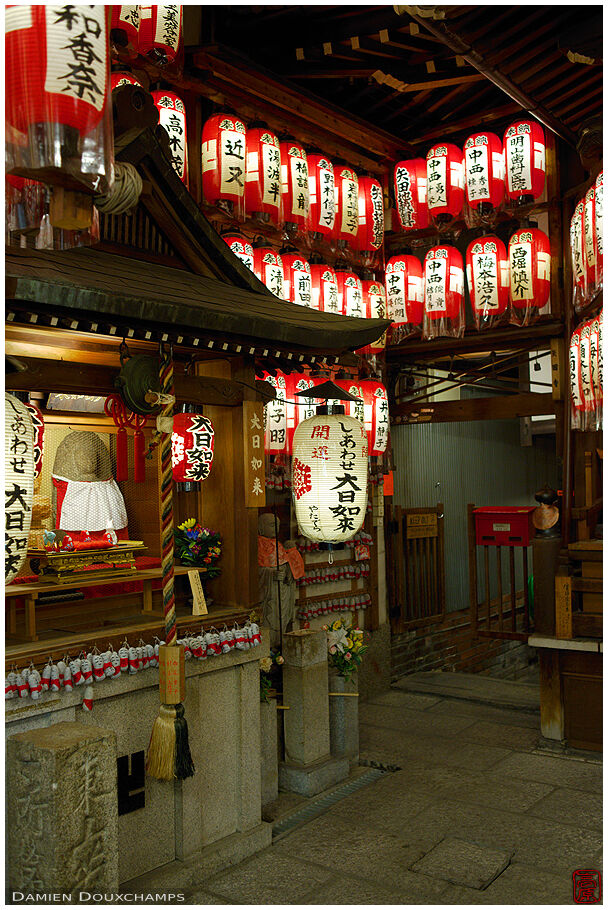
297 281
325 297
444 183
578 254
586 379
443 293
595 354
484 170
488 281
409 181
276 440
124 30
223 163
350 293
172 118
370 408
329 477
19 461
191 447
321 184
524 150
374 303
576 398
241 247
530 274
56 91
599 228
263 175
38 427
590 235
300 407
347 205
404 296
160 33
370 234
598 368
268 266
123 78
295 193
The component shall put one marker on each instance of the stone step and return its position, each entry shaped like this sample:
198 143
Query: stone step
473 687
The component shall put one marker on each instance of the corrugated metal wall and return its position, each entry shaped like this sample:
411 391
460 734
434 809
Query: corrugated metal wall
481 462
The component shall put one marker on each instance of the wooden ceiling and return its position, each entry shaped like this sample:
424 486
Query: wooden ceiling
401 72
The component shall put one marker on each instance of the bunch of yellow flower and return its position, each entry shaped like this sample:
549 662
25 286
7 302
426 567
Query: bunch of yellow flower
346 647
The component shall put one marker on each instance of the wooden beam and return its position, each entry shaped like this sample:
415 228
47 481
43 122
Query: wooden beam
505 407
523 339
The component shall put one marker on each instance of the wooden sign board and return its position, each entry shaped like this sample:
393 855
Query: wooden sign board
423 524
199 604
253 452
172 674
563 606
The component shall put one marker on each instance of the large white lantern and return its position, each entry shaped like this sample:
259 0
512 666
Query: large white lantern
19 469
329 477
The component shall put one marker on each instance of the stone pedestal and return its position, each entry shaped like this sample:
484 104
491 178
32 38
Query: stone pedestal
308 767
344 717
63 811
269 759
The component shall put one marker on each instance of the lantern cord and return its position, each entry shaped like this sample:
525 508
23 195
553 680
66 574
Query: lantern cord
125 192
276 545
166 503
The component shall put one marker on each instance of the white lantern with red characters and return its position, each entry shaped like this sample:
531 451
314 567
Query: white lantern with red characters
297 281
124 29
223 163
488 280
443 293
160 33
404 296
121 78
350 293
295 192
321 185
530 274
325 296
329 477
484 168
578 254
444 182
172 118
276 439
192 444
599 228
268 266
374 302
38 426
241 247
263 176
370 234
524 150
590 241
347 204
409 181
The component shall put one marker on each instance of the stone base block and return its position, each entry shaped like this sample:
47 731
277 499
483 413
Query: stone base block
308 780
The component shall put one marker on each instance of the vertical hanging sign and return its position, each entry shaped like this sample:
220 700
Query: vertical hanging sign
253 451
18 483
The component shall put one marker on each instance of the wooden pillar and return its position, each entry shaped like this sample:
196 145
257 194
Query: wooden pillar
551 707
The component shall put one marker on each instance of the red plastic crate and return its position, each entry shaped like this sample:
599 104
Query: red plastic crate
509 526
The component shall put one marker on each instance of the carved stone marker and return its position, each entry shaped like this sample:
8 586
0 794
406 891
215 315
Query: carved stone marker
63 810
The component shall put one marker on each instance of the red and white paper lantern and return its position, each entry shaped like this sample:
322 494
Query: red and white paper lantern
38 427
444 182
300 408
443 293
172 118
122 78
160 33
484 172
371 409
297 281
404 296
524 150
590 235
347 204
19 470
599 228
223 163
409 180
350 293
488 280
530 274
263 175
124 29
325 296
192 443
370 233
578 254
321 184
576 397
586 378
241 248
374 302
268 266
295 192
276 440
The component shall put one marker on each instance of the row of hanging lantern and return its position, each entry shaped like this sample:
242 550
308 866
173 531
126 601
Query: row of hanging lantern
154 32
586 375
587 245
476 179
504 286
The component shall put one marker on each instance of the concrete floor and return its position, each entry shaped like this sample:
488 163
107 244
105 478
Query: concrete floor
478 813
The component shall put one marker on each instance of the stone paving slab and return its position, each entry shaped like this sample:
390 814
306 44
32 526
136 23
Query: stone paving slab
399 699
412 722
561 772
451 706
269 877
433 749
473 687
519 739
463 863
571 807
518 884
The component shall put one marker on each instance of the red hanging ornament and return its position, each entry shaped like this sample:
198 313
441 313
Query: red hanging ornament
297 281
138 422
122 78
346 224
263 176
325 297
404 296
409 180
444 182
443 293
124 29
488 280
192 442
530 274
268 266
524 150
294 185
350 293
484 172
160 33
241 248
223 163
374 303
322 216
115 408
172 118
370 233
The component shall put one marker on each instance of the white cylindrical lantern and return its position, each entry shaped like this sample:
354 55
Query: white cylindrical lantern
329 477
19 470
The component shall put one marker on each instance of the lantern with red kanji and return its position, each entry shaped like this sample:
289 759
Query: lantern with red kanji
524 150
530 274
409 180
321 184
578 254
443 293
124 30
484 173
374 302
347 205
263 176
350 293
297 281
223 162
160 33
268 266
488 281
295 192
590 235
370 234
122 78
300 407
404 296
172 118
241 248
599 228
192 443
444 183
38 425
325 297
276 440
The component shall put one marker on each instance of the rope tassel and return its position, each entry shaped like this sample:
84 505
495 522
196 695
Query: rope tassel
169 755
